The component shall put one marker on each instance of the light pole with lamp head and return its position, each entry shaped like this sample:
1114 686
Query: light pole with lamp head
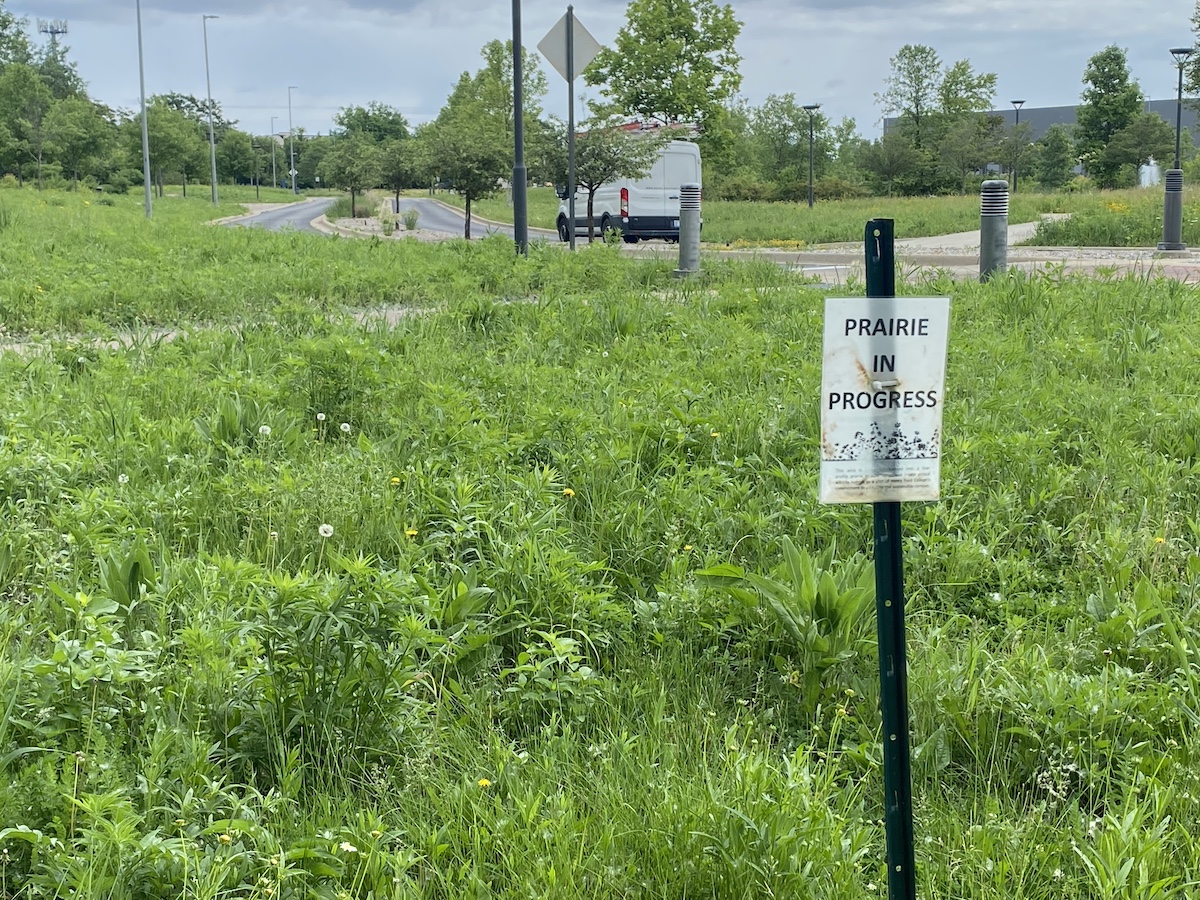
274 177
1017 104
292 140
1173 195
145 124
811 109
212 138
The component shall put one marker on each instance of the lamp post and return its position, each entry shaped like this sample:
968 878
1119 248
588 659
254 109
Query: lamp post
1017 104
520 176
811 108
212 138
292 141
1173 194
145 126
274 178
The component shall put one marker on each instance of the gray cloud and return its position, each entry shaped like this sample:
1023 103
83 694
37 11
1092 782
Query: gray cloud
409 52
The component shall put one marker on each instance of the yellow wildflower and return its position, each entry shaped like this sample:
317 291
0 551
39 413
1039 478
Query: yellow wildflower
1160 540
687 548
567 492
716 434
395 482
412 532
484 783
225 839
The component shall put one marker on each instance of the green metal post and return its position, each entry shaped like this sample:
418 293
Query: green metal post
889 605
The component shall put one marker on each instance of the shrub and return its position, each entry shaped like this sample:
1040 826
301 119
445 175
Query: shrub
410 217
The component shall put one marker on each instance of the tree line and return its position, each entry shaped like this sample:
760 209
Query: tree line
673 64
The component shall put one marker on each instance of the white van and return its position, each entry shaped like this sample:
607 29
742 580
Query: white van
644 208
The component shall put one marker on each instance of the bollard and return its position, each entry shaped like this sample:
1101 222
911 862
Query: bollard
689 230
1173 212
993 228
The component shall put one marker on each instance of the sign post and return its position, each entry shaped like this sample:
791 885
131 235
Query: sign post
882 392
569 47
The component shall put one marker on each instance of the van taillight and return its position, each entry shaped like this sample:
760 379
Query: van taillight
624 203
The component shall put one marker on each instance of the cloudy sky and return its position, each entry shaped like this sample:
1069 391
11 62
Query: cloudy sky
408 53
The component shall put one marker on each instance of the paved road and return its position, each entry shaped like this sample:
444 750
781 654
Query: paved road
294 215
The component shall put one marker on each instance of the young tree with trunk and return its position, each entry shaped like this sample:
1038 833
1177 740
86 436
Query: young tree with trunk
892 156
1111 101
24 103
76 131
352 164
606 152
1056 159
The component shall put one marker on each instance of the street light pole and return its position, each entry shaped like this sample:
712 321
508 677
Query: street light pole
520 175
145 125
812 110
292 140
1017 104
274 177
1181 55
212 139
1173 193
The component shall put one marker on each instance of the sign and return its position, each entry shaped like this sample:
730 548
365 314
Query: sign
293 172
882 393
554 47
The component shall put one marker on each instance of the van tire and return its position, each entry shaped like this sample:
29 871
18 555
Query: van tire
564 234
606 225
630 238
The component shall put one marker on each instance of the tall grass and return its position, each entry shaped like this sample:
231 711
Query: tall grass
414 606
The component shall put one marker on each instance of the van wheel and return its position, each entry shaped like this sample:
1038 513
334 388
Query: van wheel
606 226
630 238
563 234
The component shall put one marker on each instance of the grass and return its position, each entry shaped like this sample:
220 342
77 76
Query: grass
1121 219
463 645
759 224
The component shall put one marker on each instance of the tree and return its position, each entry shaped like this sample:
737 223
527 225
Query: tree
196 110
175 143
1111 101
76 131
892 156
779 136
24 103
377 121
1055 158
236 157
962 92
489 92
352 164
398 166
59 75
968 145
14 44
1016 147
468 153
912 90
1148 137
929 99
674 61
606 152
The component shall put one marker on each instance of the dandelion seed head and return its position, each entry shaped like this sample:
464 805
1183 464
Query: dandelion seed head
122 478
345 426
325 530
320 417
264 430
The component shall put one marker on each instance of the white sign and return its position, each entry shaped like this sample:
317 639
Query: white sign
293 172
554 47
882 393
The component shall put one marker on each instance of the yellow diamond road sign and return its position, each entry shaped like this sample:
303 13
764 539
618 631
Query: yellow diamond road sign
554 47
